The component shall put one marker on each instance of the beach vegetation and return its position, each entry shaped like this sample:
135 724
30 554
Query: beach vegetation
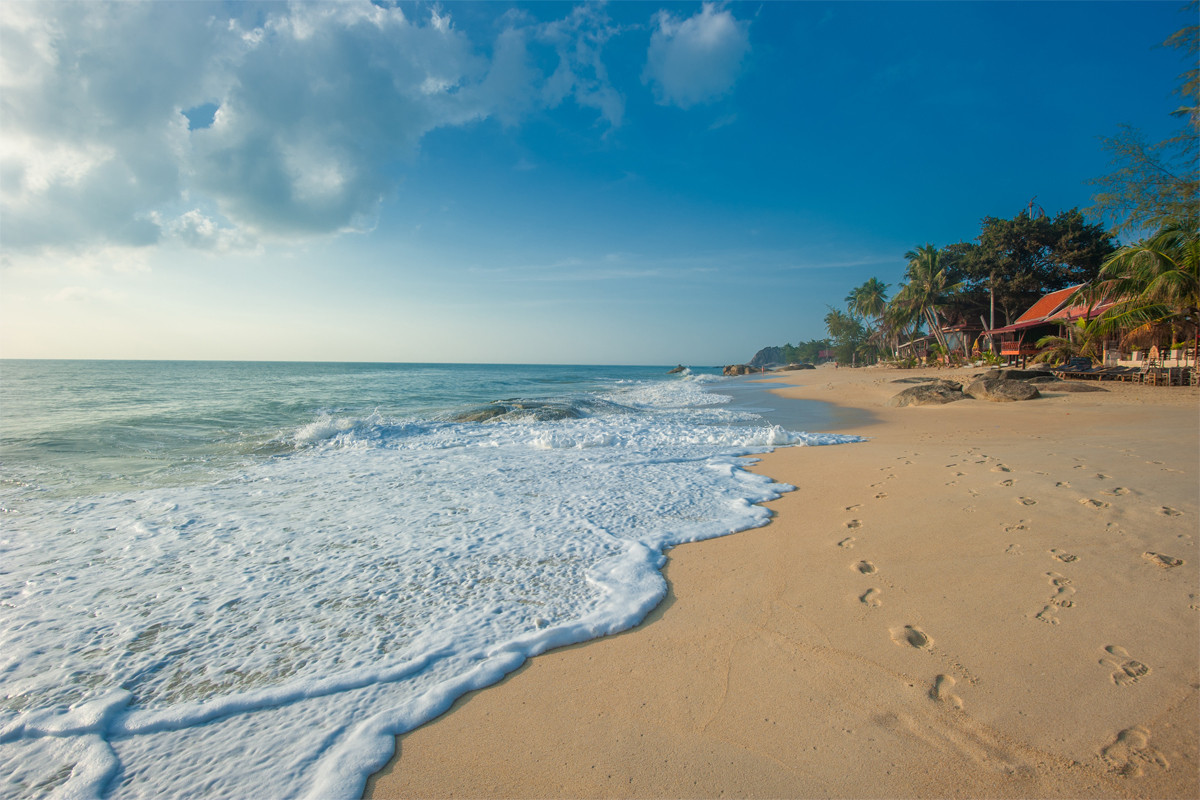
869 300
927 291
808 352
1154 286
1082 339
1155 185
1015 261
850 336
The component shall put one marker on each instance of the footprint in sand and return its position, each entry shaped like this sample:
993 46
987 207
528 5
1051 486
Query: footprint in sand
871 598
1130 753
854 523
866 568
1167 511
911 636
1101 476
1126 670
943 691
1013 550
1059 600
881 495
1066 558
847 543
1120 491
1000 468
1027 501
1063 485
851 508
1163 560
1087 501
1008 482
1016 526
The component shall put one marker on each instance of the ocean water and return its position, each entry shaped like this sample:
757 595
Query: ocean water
243 580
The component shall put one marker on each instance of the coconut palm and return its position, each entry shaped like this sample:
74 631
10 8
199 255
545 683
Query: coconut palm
1083 338
1155 285
869 300
928 289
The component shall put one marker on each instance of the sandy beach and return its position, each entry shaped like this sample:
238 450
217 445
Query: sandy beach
983 599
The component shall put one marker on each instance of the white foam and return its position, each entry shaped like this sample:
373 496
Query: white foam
270 632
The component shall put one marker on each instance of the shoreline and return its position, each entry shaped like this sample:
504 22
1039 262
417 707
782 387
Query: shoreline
981 599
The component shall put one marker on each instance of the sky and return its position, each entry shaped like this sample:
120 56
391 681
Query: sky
579 183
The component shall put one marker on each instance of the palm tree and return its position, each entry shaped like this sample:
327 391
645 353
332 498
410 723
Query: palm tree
1155 284
928 289
1080 339
869 300
901 319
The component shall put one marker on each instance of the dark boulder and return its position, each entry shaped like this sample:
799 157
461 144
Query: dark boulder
1020 374
1000 390
677 370
937 392
740 369
528 410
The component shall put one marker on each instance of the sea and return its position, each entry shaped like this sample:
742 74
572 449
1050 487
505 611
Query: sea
237 580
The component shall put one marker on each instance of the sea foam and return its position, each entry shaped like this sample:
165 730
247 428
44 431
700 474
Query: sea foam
269 631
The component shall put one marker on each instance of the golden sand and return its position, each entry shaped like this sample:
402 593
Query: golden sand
984 599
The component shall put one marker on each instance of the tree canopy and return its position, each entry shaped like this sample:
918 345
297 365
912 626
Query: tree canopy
1153 184
1020 259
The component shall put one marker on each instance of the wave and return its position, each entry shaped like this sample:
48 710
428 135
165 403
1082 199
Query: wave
316 603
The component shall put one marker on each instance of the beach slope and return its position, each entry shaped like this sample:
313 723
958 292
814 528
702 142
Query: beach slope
983 599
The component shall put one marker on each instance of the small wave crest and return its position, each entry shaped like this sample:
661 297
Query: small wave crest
328 432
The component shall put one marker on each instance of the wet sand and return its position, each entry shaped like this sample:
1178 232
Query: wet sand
983 599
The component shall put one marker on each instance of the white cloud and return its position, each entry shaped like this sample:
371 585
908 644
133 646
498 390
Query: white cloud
92 139
578 41
695 60
319 107
196 230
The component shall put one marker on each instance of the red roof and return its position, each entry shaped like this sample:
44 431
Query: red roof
1072 313
1017 326
1042 309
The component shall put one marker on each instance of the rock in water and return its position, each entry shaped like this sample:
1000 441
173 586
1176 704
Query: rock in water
1000 390
739 369
937 392
677 370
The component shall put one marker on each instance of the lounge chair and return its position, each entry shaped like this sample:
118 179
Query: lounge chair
1079 368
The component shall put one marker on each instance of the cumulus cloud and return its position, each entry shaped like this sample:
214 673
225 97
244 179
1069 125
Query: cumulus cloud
128 125
695 60
91 139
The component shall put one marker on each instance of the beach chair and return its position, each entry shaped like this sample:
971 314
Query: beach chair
1076 368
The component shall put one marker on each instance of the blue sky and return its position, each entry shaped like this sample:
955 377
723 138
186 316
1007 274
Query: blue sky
649 183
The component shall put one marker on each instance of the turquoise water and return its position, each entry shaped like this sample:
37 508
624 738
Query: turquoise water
242 580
